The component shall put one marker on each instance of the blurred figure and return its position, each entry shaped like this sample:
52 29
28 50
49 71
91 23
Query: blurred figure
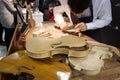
41 5
48 7
7 12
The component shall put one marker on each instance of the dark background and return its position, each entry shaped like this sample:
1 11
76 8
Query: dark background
111 34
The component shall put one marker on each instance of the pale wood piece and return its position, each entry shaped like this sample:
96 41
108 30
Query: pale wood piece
12 47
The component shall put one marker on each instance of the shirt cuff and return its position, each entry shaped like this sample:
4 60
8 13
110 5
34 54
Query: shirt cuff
90 26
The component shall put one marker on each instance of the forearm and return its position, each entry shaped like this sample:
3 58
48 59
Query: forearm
97 24
9 6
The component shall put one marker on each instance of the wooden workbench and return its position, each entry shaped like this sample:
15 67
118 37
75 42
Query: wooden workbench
111 70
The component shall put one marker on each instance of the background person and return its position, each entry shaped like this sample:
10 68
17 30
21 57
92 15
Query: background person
48 6
7 11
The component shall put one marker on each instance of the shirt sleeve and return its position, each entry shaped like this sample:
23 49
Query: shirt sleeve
9 6
101 15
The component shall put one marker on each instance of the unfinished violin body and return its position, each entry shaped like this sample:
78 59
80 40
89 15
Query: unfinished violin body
44 47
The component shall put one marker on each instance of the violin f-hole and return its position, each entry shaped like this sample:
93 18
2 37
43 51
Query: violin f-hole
20 67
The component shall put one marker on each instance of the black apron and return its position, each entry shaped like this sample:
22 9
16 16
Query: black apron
95 34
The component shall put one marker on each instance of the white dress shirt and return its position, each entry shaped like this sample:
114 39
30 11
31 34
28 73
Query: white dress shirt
101 13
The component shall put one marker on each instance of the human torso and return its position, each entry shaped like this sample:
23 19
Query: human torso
6 17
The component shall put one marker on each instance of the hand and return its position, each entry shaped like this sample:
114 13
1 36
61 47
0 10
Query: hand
21 42
64 26
80 27
50 9
22 39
